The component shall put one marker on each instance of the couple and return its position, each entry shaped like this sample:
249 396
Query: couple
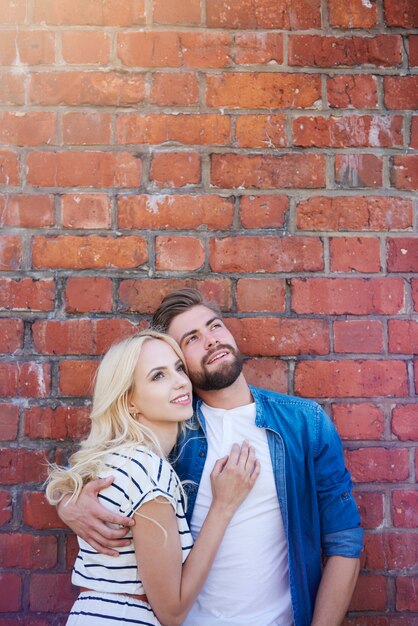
267 570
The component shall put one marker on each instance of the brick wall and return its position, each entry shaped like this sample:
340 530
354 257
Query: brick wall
262 149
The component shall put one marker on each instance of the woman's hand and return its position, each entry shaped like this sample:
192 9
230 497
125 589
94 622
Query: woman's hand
233 477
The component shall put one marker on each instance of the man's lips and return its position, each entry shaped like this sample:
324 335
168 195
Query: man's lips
183 399
217 356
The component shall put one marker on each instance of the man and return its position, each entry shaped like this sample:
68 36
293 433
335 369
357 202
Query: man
268 569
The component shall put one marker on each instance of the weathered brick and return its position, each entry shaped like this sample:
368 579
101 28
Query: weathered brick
9 419
175 169
266 254
413 50
265 211
405 422
360 213
414 130
414 285
378 464
358 421
13 11
262 90
356 91
258 48
27 129
85 210
369 594
177 89
404 172
205 49
28 551
22 466
29 379
84 294
38 513
9 167
406 591
349 131
92 13
403 336
402 254
358 336
351 379
27 211
62 422
268 171
280 337
400 92
52 593
355 254
358 170
85 47
185 12
263 14
260 131
401 13
6 507
340 296
188 129
10 592
84 169
87 88
178 212
149 49
31 47
405 509
391 551
89 252
356 14
179 253
267 373
71 550
27 293
86 128
76 377
261 294
320 51
370 505
11 335
12 88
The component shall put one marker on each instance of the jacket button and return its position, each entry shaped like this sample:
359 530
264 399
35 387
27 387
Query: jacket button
202 453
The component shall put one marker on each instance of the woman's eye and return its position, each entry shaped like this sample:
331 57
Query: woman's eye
181 368
158 376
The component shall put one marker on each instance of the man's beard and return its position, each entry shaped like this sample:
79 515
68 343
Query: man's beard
225 374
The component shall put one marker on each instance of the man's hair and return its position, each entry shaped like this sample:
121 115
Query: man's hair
178 302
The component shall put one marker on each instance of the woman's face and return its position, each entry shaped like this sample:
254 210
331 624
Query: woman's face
162 391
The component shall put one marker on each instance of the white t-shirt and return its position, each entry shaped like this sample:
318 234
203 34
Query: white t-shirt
248 584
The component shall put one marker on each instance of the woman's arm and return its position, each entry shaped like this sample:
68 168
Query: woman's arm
170 587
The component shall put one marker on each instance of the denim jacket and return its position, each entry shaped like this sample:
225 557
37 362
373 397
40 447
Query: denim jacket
313 487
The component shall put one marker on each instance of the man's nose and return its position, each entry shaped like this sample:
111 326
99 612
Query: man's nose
210 341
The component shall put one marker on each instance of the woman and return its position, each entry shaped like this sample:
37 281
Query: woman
142 394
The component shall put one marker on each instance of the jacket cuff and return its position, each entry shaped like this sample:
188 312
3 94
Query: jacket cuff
347 543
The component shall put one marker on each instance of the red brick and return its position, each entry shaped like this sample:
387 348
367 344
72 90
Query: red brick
71 550
6 510
358 336
350 131
27 211
359 213
10 592
401 551
62 422
268 171
37 513
27 293
414 131
258 48
351 379
261 294
370 594
266 254
403 336
263 14
149 49
356 14
402 13
404 172
108 331
179 253
405 509
416 386
85 47
205 50
9 419
73 252
178 212
262 90
260 131
414 285
22 466
358 170
175 169
401 92
92 13
358 421
52 593
177 89
405 422
413 50
370 505
280 337
11 335
29 380
187 129
267 373
355 254
319 51
406 593
28 551
85 210
373 556
263 211
9 167
185 12
356 91
13 11
402 254
84 169
144 296
84 294
88 88
378 464
27 129
86 128
76 377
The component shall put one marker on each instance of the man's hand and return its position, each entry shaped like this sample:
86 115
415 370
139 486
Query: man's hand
88 519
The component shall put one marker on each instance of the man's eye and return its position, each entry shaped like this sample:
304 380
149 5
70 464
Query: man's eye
217 325
190 339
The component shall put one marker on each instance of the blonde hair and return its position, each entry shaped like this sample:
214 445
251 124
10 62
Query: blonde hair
113 428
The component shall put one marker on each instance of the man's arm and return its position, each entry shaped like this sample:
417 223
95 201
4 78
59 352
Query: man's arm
335 590
88 519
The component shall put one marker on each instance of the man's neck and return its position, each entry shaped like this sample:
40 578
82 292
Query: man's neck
237 394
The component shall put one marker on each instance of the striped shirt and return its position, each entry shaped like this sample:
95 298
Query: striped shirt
140 477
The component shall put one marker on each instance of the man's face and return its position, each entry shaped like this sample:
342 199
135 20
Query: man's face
211 353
